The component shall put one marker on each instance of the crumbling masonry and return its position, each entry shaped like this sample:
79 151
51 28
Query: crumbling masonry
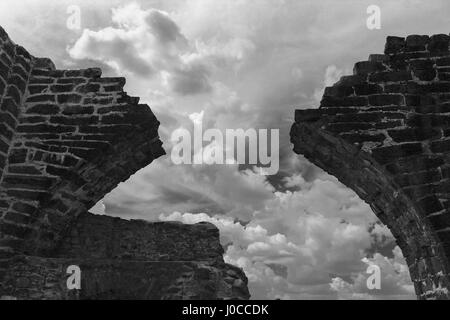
385 132
67 138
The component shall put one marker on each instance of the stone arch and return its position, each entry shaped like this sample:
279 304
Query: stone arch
83 186
384 132
67 138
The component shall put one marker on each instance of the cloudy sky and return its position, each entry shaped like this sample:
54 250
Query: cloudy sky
299 234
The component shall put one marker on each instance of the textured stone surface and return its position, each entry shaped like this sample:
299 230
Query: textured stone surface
67 138
94 236
385 132
122 259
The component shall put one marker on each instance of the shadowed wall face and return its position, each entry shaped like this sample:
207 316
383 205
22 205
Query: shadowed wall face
385 133
122 259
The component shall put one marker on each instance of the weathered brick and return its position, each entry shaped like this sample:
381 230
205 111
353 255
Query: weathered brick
17 217
366 89
348 126
13 229
440 146
6 131
89 87
395 88
71 80
30 182
391 153
73 120
69 98
419 100
361 137
20 71
14 94
4 70
40 80
4 147
423 69
409 134
41 98
428 120
386 99
57 88
331 102
7 118
44 128
68 110
21 51
394 44
420 163
43 109
24 169
430 204
339 91
416 88
418 178
18 156
34 89
416 43
390 76
439 43
366 67
444 61
117 108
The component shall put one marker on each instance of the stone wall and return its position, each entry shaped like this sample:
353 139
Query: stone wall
103 237
67 138
385 132
122 259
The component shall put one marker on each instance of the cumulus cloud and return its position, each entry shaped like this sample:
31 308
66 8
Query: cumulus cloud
395 280
149 43
211 189
311 243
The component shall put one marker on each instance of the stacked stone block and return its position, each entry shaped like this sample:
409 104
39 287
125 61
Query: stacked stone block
68 137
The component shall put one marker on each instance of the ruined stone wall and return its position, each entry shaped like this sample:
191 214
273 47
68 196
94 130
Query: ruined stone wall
67 138
122 259
95 236
385 132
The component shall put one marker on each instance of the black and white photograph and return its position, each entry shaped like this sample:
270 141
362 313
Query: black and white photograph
243 151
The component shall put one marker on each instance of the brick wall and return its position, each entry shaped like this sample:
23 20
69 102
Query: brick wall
385 132
95 236
68 137
122 259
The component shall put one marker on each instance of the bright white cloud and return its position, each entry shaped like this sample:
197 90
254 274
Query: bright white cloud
320 234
